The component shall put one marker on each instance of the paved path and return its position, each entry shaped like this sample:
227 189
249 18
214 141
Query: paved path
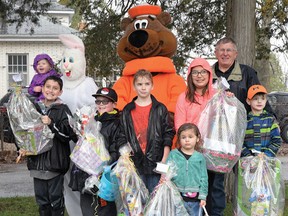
284 162
15 180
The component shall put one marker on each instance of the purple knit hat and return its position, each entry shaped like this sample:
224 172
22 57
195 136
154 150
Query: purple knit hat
40 57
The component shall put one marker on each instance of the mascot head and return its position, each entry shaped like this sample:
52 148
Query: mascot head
146 34
73 63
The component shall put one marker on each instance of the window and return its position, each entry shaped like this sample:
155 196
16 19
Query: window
18 64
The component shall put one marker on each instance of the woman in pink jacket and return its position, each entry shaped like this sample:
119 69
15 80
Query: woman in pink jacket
198 92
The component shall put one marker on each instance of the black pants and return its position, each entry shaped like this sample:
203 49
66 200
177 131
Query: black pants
91 204
49 196
216 200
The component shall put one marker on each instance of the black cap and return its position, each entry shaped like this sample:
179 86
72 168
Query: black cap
108 93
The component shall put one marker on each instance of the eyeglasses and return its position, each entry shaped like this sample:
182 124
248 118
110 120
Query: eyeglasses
195 73
104 102
229 50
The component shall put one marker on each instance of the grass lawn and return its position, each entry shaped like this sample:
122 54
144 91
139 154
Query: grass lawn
26 206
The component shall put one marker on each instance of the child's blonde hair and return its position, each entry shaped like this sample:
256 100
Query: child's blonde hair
143 73
189 126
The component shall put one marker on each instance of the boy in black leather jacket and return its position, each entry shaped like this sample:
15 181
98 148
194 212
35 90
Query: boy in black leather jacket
145 125
48 168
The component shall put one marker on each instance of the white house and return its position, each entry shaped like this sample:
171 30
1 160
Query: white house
18 49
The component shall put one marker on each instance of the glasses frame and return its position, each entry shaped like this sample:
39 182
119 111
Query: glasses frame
104 102
195 73
228 50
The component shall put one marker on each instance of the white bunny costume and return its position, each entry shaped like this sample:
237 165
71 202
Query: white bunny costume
77 88
77 92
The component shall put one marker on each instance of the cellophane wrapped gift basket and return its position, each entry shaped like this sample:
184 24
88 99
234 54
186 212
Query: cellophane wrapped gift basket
261 189
89 153
133 194
166 199
222 125
31 135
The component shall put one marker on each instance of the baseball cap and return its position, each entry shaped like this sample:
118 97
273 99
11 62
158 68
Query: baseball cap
108 93
254 89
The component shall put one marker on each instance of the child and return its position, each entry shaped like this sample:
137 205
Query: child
43 66
145 125
189 106
48 168
108 115
262 133
262 137
191 178
199 90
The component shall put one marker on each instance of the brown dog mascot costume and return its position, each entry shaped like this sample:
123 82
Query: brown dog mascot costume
148 44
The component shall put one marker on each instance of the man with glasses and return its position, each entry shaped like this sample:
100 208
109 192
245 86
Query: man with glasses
240 77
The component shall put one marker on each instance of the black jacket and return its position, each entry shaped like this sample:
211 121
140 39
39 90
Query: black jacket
110 129
57 158
160 134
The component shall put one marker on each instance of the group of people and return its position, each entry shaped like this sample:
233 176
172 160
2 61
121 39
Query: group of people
145 124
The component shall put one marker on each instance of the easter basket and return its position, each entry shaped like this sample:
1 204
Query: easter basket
222 125
260 187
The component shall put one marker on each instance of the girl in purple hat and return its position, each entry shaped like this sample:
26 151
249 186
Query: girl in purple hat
44 67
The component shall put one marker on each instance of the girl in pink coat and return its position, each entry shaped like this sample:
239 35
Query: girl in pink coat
198 92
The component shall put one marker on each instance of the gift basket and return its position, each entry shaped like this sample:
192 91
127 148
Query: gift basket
261 189
222 125
166 200
90 153
31 135
133 194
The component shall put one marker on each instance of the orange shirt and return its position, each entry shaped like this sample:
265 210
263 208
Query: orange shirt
140 117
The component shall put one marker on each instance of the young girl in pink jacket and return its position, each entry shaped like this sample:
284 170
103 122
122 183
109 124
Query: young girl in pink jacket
198 92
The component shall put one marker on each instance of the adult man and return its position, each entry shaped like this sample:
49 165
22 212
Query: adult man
240 77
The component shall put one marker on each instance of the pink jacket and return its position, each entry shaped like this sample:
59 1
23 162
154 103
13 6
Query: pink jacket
190 112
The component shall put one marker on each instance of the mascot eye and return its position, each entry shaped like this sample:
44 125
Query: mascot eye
71 60
64 60
141 24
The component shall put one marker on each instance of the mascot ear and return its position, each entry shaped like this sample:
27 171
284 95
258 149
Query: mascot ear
124 23
72 42
164 18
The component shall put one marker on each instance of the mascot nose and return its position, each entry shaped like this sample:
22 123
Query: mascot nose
66 64
138 38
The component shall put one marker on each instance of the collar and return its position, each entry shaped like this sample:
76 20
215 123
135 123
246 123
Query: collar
235 72
153 64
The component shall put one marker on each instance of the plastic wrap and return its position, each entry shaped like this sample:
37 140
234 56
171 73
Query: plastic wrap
166 200
133 194
261 189
31 135
222 125
90 153
80 118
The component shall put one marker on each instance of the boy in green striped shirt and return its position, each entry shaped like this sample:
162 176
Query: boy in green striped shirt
262 132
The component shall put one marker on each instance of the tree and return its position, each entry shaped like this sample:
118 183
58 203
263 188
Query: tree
197 24
241 19
26 11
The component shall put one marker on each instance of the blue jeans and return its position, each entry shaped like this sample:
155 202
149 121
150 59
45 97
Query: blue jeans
150 181
193 208
216 199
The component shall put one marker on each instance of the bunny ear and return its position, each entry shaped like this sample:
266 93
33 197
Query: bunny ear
72 41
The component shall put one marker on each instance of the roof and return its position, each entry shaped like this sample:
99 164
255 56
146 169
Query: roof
47 30
56 7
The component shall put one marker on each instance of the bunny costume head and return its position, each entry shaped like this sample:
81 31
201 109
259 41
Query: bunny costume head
73 63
